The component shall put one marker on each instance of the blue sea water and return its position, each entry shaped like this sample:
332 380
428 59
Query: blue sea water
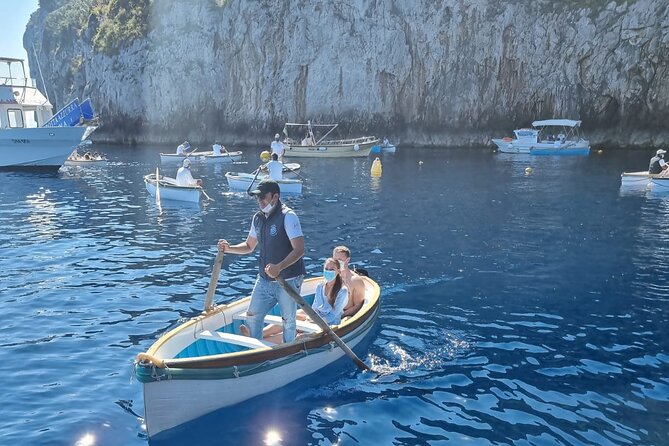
516 309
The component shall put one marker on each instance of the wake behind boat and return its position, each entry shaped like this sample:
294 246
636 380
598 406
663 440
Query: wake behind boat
202 157
205 363
30 135
316 145
170 190
548 137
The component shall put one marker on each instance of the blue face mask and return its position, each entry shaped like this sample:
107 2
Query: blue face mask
329 275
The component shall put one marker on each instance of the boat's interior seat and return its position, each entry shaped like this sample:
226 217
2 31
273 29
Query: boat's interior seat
232 338
304 326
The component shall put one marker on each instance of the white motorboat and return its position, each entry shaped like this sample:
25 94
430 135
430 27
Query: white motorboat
30 135
202 157
316 146
239 181
170 190
547 137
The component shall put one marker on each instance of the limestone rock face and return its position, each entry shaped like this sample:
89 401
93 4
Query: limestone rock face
426 72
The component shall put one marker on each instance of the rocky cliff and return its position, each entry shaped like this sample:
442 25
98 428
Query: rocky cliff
426 72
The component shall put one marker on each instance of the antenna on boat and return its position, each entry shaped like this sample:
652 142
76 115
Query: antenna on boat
39 69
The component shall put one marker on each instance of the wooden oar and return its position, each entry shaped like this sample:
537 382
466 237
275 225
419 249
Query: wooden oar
294 171
320 322
209 300
248 191
205 194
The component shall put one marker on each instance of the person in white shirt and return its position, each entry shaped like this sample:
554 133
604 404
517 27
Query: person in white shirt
219 149
278 147
275 168
185 177
183 148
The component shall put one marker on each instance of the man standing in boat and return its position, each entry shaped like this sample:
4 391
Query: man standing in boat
182 149
657 163
277 229
278 147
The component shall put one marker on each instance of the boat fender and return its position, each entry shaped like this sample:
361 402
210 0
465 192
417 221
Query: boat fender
377 168
145 357
356 147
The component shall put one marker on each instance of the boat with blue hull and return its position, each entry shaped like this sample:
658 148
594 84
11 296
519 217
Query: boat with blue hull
206 364
30 135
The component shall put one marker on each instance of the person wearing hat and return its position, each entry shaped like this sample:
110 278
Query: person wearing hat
657 163
278 147
276 228
185 177
182 148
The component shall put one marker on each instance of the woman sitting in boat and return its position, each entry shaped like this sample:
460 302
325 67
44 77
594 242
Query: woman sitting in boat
329 301
185 177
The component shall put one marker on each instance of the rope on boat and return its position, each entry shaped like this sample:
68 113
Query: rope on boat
145 357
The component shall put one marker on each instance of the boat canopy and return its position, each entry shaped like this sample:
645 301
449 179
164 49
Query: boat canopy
557 123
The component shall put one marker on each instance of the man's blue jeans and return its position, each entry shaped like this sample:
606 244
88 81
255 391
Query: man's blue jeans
266 294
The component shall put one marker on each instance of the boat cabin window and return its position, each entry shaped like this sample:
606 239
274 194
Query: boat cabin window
15 117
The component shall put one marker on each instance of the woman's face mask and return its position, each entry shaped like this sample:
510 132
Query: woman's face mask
329 275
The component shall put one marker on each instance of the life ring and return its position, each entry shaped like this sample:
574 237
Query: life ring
356 147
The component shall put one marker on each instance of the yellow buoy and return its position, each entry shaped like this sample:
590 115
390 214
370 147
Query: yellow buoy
600 151
264 156
377 169
528 171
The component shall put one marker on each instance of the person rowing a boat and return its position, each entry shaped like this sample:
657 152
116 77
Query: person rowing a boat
657 163
276 228
274 168
185 177
352 280
218 149
182 149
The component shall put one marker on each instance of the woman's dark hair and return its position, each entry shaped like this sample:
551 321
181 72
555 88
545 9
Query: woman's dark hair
332 296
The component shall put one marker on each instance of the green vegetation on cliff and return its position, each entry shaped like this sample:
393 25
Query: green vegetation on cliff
120 22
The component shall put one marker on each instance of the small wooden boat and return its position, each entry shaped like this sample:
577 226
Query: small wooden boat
205 363
320 147
202 157
87 159
170 190
240 181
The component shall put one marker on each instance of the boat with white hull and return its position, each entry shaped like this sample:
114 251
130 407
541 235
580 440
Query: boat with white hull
315 146
170 190
205 364
87 159
240 181
547 137
202 157
30 135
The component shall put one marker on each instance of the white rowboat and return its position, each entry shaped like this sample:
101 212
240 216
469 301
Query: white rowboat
204 364
170 190
202 157
239 181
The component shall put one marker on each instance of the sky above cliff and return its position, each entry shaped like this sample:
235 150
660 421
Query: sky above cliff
15 16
